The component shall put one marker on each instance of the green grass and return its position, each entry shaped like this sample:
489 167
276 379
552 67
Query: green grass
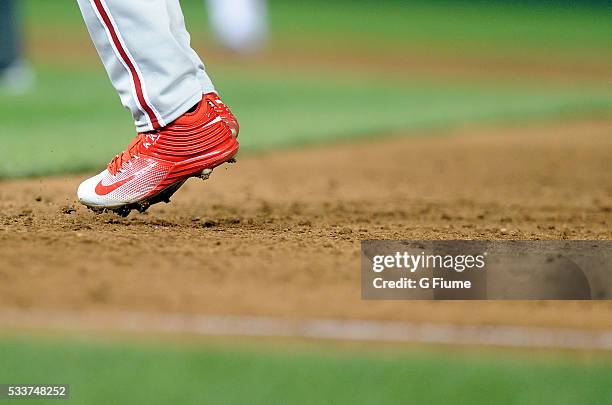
102 373
74 120
457 27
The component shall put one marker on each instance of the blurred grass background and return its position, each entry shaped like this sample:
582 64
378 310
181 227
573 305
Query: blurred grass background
333 71
213 373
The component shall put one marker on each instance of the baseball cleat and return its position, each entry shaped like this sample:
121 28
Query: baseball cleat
156 164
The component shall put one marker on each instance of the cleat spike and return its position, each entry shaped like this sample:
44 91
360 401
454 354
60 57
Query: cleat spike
232 160
206 174
122 211
143 206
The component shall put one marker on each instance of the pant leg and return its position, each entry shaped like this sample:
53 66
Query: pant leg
178 29
10 35
153 73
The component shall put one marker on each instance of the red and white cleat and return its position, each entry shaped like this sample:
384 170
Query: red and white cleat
157 163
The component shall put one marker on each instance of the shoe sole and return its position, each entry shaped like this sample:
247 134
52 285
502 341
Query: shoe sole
161 196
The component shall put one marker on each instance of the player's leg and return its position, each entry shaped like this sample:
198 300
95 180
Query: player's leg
153 75
16 75
240 25
180 33
183 133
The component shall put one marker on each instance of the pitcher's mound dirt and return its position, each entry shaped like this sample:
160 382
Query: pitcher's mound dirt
278 234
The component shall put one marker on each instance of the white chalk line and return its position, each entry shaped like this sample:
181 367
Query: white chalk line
328 329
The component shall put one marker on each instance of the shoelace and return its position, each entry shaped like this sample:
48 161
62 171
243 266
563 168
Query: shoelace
130 152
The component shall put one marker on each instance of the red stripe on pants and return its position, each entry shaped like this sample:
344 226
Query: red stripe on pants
128 62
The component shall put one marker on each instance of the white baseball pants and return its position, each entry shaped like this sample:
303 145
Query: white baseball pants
146 50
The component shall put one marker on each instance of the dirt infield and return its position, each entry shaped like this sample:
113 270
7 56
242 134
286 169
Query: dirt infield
278 234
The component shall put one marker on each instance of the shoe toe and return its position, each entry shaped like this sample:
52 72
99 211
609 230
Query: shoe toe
86 193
